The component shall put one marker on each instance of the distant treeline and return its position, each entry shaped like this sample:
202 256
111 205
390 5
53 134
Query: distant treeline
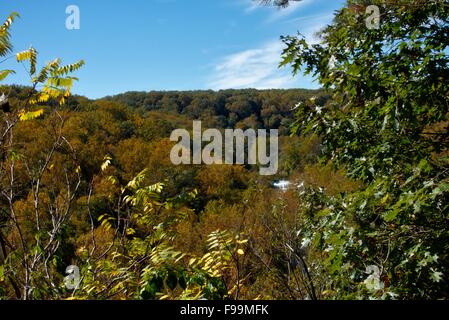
246 108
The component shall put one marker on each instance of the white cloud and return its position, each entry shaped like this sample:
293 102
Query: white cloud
258 67
309 26
276 13
251 5
254 68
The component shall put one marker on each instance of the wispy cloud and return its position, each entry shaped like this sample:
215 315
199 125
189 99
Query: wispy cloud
258 67
254 68
251 6
309 26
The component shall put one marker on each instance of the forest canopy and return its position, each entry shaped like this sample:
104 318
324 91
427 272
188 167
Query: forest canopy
91 206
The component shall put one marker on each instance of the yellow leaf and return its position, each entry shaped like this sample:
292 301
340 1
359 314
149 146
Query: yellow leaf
130 231
385 199
71 299
240 252
26 116
5 73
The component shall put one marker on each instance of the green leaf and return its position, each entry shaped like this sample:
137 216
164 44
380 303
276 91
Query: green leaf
391 215
171 280
436 276
5 73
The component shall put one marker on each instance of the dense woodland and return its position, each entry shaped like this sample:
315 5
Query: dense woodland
89 183
130 134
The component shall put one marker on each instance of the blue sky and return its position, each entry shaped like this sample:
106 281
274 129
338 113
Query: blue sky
166 44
